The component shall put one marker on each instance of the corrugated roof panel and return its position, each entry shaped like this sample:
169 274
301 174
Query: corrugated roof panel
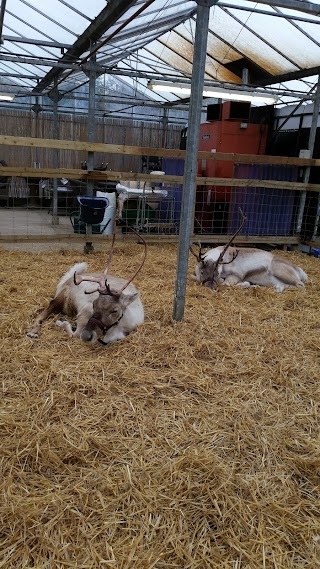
248 44
56 29
215 46
158 10
132 40
168 56
14 26
285 38
214 69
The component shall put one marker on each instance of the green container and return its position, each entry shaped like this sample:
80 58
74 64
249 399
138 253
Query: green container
130 213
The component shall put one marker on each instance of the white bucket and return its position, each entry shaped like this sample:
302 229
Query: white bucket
109 212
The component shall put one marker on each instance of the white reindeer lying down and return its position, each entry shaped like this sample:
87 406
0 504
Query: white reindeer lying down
245 267
103 314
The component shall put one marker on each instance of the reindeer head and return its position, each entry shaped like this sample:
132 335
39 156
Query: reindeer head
109 307
108 310
208 269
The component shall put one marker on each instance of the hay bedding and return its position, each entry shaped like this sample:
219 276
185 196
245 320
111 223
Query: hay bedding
187 445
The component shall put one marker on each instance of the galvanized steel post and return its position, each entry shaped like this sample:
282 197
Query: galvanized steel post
91 123
55 98
92 74
313 132
312 138
190 168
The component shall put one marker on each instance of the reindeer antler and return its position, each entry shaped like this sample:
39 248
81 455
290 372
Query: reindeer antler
104 287
199 255
135 273
226 247
110 253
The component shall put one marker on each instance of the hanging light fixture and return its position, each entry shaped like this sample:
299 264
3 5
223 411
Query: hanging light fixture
6 97
222 92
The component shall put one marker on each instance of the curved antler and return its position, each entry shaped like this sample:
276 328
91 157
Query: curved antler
224 250
104 287
110 253
199 256
226 247
77 279
141 264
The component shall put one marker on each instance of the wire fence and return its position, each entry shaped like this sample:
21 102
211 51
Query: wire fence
154 208
27 203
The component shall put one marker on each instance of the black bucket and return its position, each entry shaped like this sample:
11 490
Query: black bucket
92 209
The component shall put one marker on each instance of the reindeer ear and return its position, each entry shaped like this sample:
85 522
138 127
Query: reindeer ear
126 299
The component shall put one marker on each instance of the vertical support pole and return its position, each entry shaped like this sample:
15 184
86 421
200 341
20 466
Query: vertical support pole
165 120
91 125
306 176
315 116
56 155
190 169
92 74
37 110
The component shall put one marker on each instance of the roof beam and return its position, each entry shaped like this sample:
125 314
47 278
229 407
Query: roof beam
267 13
288 76
20 76
19 39
2 12
307 7
107 17
39 61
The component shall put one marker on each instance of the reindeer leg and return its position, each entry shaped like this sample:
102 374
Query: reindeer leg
66 326
232 280
286 275
82 319
55 306
246 284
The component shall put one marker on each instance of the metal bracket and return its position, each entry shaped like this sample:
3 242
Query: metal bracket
90 66
55 95
37 108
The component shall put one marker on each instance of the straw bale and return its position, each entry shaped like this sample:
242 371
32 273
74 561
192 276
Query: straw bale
187 445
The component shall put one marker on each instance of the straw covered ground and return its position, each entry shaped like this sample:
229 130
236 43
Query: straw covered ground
187 445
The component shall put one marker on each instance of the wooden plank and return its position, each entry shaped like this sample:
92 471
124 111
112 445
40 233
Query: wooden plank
88 146
151 238
147 151
202 181
43 172
220 239
244 183
245 239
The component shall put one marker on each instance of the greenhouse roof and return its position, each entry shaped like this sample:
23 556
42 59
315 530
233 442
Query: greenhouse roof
48 44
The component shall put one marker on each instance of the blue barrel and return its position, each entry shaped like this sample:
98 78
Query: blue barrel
92 209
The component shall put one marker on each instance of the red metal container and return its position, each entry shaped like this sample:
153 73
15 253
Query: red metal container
224 135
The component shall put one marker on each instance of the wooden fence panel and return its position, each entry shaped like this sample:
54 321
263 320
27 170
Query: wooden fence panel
74 127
